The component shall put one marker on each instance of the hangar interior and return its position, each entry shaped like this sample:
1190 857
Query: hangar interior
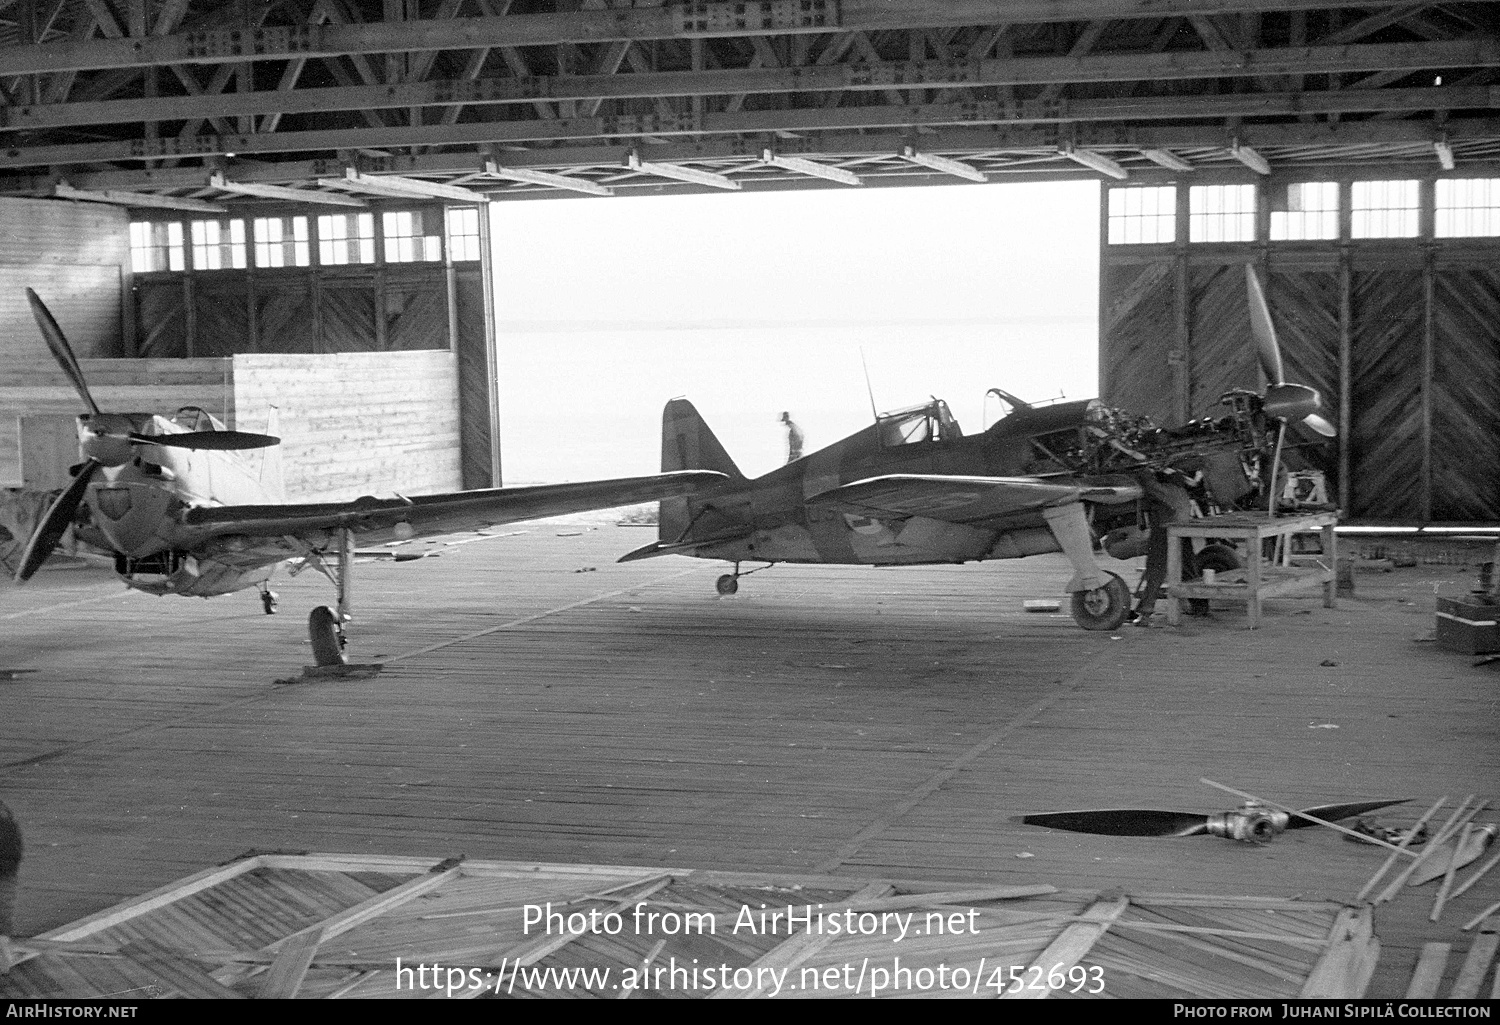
242 206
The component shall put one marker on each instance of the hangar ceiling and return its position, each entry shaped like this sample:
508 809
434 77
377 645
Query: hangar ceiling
151 102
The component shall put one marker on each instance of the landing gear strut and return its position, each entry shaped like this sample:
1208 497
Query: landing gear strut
730 582
325 626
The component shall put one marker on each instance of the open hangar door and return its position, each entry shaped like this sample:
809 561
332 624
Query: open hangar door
751 305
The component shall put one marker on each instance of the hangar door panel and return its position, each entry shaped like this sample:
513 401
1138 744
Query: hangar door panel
1221 351
222 317
1466 394
347 312
1137 313
1385 452
161 312
285 318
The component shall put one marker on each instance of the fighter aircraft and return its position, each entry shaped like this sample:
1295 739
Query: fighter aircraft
913 488
185 513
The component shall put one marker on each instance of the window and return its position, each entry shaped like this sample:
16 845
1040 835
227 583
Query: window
218 244
404 238
346 238
1383 210
1311 211
1467 206
281 242
1221 213
1142 215
463 233
156 246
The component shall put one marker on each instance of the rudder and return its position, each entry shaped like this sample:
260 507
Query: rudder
687 443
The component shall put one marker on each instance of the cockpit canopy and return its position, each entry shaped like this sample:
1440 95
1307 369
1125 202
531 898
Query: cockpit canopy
928 422
196 418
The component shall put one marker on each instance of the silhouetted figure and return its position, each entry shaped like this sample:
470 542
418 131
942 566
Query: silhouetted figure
793 438
10 864
1165 504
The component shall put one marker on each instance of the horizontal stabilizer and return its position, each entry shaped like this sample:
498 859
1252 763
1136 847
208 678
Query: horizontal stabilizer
656 548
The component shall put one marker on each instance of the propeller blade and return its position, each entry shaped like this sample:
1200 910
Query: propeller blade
55 523
1262 329
1323 427
61 350
1121 822
213 441
1334 812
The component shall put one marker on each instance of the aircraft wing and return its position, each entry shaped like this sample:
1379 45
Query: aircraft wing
437 514
971 500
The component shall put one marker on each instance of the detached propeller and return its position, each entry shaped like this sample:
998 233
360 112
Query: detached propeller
106 435
1282 400
1250 823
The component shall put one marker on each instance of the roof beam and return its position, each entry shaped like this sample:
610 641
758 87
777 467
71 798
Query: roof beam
531 176
281 192
1098 161
801 165
712 19
1063 111
682 174
1166 158
1250 158
138 199
861 76
1415 138
947 165
393 186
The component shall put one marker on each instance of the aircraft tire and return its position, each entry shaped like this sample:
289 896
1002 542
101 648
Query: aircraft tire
1103 608
727 584
323 631
1217 557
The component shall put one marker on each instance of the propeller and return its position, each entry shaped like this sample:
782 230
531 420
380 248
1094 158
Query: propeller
1282 400
1252 823
55 523
107 435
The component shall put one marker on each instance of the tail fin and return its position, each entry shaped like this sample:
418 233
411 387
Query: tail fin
687 443
270 474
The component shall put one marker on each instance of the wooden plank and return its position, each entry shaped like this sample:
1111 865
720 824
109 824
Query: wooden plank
1072 944
1476 964
1429 971
146 903
290 967
178 973
1345 968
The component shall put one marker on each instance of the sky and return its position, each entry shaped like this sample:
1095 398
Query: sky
751 304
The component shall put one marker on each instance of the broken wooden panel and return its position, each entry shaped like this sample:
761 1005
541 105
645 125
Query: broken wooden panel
338 926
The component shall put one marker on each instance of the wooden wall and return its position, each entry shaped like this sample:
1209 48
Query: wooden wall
351 424
1401 336
76 257
356 424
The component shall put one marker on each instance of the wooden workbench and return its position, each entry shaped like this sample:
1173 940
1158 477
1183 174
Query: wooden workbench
1262 579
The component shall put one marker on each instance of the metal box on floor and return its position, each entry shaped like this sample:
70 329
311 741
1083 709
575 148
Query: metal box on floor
1468 627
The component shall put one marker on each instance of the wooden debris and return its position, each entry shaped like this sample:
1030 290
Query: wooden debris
1429 971
1481 953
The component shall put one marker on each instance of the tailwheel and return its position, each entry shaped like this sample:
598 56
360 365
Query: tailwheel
728 583
1103 608
327 636
268 600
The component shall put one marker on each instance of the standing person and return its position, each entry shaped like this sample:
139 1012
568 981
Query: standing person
1166 503
793 438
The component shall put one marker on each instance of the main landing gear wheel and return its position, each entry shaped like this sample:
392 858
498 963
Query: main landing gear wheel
1220 559
727 584
1103 608
327 636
